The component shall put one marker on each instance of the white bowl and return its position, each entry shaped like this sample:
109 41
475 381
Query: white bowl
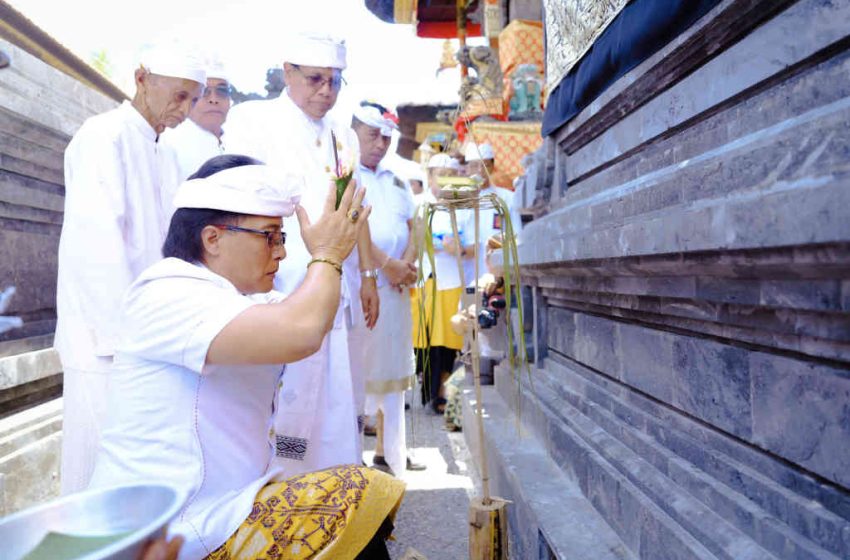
142 511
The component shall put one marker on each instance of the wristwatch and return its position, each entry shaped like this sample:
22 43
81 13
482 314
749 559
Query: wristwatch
371 273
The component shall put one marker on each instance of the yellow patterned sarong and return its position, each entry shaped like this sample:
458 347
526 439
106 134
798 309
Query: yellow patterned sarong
331 513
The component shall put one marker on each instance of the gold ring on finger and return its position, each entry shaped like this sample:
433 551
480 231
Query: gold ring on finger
353 214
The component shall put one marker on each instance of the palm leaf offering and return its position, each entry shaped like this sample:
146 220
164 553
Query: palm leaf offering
458 193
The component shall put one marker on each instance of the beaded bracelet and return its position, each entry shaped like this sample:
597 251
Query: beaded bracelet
336 265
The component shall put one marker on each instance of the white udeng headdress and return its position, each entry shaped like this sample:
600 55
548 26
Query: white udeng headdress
478 152
175 61
443 160
372 116
217 69
313 49
256 190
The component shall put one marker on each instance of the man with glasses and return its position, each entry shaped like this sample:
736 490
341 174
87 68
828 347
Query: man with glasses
383 357
316 420
200 137
119 186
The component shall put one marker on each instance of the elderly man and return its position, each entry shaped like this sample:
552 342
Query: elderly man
199 137
316 423
203 340
385 354
119 186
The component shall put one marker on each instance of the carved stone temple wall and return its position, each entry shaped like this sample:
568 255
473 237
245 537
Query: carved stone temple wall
690 396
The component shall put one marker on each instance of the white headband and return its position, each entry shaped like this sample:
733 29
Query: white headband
322 51
443 160
256 190
478 152
372 116
174 62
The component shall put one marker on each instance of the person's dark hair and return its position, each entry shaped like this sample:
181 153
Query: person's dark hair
183 240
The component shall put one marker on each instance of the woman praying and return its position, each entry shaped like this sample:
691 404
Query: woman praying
200 358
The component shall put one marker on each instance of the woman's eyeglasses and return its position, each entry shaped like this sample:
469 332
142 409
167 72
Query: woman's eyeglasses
274 238
317 82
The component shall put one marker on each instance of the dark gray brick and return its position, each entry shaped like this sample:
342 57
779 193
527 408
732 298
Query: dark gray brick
712 382
561 330
647 360
802 294
596 344
801 411
741 292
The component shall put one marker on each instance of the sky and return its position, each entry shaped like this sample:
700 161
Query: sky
386 62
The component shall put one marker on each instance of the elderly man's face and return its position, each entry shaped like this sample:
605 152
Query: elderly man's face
313 89
246 258
373 145
165 101
211 110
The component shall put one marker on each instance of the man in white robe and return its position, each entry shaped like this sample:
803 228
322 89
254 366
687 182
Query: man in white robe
316 419
385 353
201 136
119 186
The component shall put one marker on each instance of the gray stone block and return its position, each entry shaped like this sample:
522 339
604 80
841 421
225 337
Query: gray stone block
596 344
648 360
712 382
561 330
721 78
741 292
801 411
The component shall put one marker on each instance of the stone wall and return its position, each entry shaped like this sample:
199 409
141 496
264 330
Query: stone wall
691 270
40 109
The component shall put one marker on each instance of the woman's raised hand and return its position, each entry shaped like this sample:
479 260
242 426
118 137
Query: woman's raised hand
334 234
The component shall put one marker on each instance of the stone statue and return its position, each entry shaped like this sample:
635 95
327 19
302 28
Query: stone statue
8 323
528 86
487 82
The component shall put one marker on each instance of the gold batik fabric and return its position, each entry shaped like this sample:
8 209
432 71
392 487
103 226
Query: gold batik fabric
332 513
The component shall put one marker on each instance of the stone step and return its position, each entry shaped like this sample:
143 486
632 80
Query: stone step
21 429
548 511
707 527
769 512
685 491
755 522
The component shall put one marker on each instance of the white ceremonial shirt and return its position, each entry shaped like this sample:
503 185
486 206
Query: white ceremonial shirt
119 187
193 145
491 222
446 264
176 420
316 413
392 207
